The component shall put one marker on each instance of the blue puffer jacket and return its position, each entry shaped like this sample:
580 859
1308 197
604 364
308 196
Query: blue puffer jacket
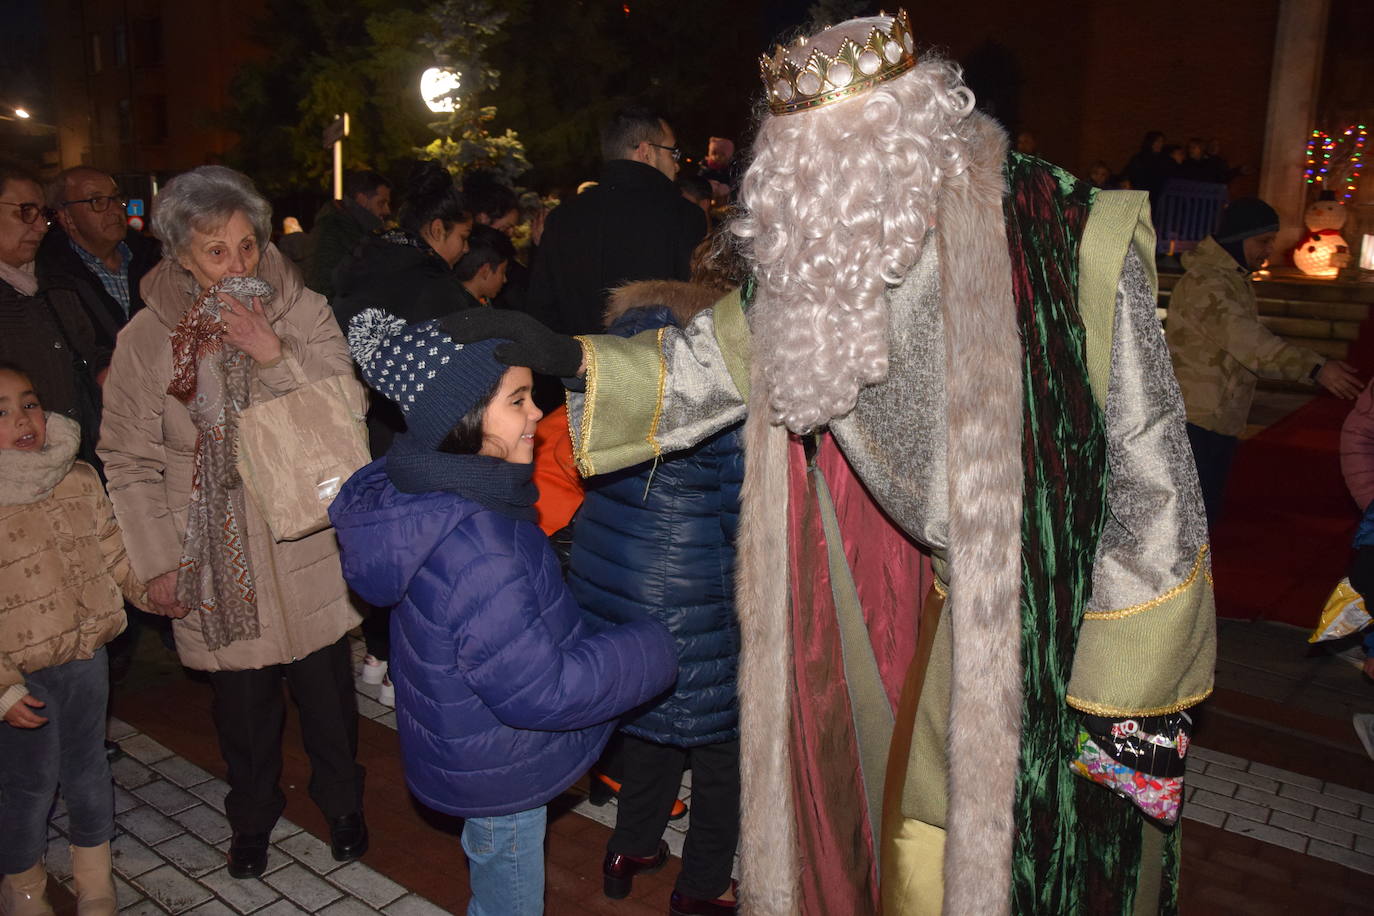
657 542
504 696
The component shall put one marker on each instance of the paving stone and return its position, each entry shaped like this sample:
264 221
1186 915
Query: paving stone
131 858
124 801
59 807
1228 760
167 797
1350 858
206 823
310 850
63 824
1242 777
182 772
126 895
243 894
389 720
284 829
131 774
413 905
152 827
367 884
370 708
1367 813
1325 832
1230 805
1276 802
303 887
144 907
58 858
1265 833
172 890
1364 845
212 793
117 729
280 908
348 907
1210 783
144 749
1329 802
1355 795
1351 824
1204 815
191 855
212 908
1288 776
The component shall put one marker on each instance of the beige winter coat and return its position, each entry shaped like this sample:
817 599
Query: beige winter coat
147 441
63 563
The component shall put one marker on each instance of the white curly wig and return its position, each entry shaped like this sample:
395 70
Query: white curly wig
836 206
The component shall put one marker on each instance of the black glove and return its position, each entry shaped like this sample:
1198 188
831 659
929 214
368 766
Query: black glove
531 343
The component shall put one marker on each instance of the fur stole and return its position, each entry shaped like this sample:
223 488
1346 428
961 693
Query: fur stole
683 300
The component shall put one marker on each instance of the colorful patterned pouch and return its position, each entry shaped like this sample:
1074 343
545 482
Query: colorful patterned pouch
1140 759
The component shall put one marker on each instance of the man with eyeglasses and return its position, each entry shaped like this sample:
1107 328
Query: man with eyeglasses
91 244
633 225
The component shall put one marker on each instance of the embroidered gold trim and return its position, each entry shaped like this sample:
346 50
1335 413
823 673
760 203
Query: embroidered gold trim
1099 709
1199 565
652 438
940 588
584 435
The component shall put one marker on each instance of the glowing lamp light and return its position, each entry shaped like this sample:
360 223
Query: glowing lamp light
1367 253
1314 254
437 85
21 113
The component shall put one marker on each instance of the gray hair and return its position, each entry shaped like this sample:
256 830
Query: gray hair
204 199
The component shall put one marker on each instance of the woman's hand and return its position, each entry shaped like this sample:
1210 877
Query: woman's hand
20 715
247 328
162 595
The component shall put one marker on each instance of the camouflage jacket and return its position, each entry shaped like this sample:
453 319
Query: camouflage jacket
1218 346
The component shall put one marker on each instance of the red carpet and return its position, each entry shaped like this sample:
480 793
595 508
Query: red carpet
1284 537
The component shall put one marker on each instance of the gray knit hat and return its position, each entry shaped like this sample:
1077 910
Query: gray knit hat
432 378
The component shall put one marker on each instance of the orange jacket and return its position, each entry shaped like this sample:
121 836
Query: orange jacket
555 474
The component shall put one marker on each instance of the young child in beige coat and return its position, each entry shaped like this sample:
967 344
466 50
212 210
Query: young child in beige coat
62 571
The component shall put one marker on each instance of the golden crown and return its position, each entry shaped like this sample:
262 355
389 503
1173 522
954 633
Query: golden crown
824 78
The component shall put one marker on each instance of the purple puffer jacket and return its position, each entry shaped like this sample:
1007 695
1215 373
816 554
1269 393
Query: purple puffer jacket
503 696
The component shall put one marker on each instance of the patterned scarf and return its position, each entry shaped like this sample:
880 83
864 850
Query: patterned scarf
215 575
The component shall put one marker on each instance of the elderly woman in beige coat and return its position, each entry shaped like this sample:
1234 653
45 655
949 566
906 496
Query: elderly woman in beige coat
248 610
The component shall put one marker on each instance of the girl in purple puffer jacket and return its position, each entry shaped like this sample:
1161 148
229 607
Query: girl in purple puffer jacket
503 696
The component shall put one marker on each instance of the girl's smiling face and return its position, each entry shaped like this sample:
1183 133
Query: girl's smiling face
22 424
509 421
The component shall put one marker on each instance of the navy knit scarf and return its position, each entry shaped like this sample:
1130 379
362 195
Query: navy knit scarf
501 486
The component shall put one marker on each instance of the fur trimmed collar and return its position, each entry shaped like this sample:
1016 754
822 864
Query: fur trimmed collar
28 477
684 300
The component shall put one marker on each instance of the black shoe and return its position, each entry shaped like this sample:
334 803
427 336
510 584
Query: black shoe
248 855
618 870
112 750
348 837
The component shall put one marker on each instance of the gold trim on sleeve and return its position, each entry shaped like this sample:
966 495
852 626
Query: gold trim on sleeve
652 438
1098 709
584 435
1199 565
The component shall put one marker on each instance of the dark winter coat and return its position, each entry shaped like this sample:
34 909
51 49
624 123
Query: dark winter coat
407 280
504 696
634 225
658 542
57 264
340 226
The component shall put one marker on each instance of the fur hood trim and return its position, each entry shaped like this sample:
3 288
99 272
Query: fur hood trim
684 300
28 477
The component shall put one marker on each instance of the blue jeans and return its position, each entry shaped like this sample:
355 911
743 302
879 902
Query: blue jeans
68 751
506 863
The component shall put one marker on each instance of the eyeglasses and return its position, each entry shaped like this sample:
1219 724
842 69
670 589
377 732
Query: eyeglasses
29 213
674 151
100 203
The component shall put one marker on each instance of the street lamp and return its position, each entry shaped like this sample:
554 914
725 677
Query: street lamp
21 113
437 86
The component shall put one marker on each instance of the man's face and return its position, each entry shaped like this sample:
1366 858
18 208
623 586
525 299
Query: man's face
98 233
660 158
378 203
1258 248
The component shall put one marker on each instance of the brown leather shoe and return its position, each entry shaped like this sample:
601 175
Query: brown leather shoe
618 871
682 905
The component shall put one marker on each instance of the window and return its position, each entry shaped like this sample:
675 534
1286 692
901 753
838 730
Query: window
121 46
95 52
148 42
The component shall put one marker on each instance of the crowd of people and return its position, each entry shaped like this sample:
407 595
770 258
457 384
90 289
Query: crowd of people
820 552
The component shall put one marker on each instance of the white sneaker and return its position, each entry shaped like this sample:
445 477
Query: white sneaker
387 695
1364 728
374 670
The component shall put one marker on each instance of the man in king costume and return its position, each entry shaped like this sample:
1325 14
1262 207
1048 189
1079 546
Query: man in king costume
949 364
